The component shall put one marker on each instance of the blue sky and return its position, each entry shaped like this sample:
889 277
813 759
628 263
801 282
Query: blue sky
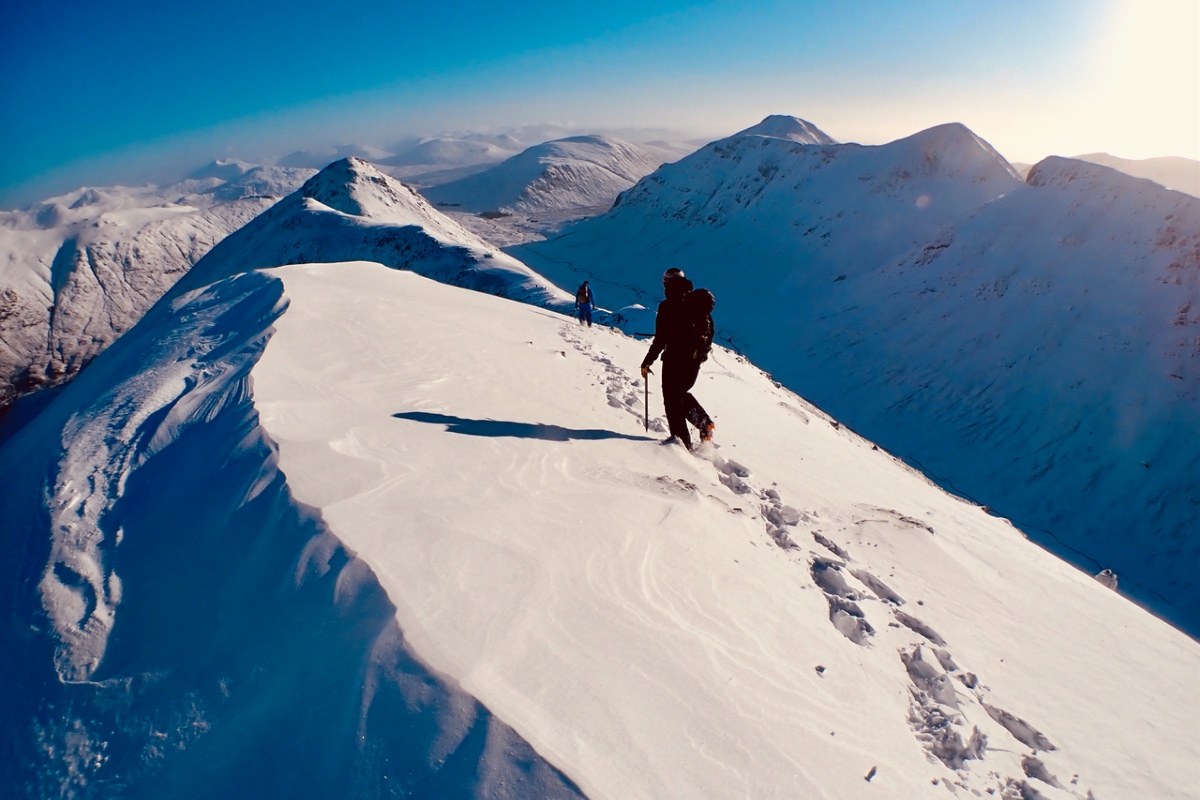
100 91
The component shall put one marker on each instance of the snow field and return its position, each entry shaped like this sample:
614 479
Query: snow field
784 616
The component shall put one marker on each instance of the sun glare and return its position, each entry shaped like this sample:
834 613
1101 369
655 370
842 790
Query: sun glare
1148 86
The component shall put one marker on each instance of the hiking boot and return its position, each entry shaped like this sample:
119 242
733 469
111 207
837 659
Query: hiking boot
706 433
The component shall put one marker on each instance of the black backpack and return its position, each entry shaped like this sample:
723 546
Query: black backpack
696 332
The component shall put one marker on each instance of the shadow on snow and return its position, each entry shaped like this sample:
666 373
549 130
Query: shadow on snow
519 430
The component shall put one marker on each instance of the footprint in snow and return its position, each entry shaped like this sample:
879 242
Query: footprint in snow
1034 768
933 714
677 486
878 587
916 626
828 576
829 545
896 516
849 619
1021 730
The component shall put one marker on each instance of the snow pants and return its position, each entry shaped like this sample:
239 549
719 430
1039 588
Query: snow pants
585 313
678 378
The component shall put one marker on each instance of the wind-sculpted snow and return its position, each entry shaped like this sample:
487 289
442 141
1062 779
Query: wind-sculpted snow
177 625
1031 346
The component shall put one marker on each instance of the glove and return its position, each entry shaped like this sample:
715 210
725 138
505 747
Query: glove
645 371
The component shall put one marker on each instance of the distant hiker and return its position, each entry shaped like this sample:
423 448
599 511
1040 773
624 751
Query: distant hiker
583 303
683 332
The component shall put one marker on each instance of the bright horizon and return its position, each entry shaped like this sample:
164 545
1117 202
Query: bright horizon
137 92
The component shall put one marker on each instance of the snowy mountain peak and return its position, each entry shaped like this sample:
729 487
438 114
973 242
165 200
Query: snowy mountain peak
570 173
781 126
587 138
588 146
351 211
356 187
1060 171
954 148
917 185
621 158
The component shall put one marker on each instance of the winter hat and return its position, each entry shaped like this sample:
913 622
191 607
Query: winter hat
673 273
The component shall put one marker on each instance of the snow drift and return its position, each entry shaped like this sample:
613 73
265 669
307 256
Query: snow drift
186 627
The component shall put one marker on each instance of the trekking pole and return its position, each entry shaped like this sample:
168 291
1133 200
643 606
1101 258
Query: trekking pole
646 418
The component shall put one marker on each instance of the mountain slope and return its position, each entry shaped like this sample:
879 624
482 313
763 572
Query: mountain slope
774 622
351 210
1056 323
1031 346
577 172
481 591
790 209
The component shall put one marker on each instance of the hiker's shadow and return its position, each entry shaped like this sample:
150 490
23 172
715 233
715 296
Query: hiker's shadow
518 430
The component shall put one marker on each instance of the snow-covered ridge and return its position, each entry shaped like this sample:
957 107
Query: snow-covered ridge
795 614
848 206
350 211
1172 172
103 444
1059 171
171 601
354 187
1031 345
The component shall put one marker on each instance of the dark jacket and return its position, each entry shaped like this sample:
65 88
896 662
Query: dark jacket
674 335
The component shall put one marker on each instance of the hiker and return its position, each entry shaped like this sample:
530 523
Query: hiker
683 332
583 304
